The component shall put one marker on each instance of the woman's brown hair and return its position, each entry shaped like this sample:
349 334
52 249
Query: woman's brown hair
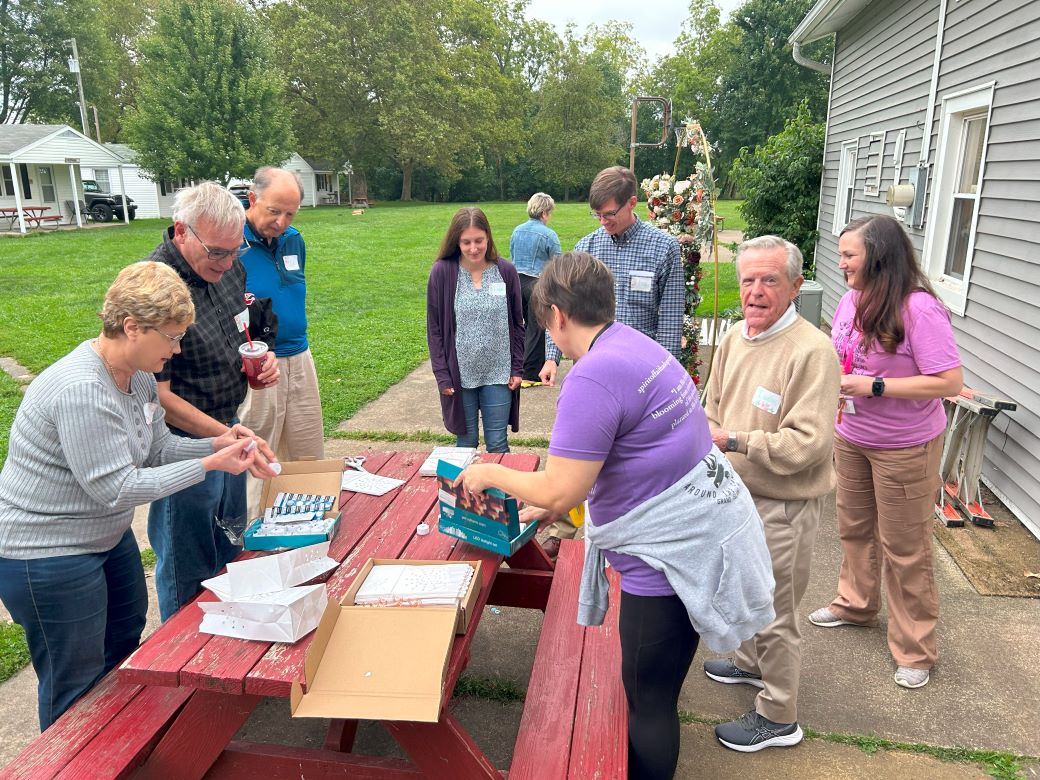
890 273
467 217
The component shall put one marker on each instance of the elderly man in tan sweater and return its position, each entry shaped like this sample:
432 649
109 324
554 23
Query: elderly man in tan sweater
771 403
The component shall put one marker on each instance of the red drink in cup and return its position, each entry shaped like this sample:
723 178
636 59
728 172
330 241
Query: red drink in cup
253 362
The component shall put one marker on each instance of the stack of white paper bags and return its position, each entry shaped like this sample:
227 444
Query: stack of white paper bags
419 585
258 598
457 456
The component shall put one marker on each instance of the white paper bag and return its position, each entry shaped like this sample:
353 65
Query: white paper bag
283 616
270 573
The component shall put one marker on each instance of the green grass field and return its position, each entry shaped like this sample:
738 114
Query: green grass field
366 290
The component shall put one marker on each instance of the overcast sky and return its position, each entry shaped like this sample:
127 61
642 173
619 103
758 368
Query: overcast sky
655 25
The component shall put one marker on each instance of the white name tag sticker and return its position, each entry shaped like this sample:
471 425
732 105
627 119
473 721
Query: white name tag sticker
150 410
766 400
242 320
640 281
848 407
498 289
292 262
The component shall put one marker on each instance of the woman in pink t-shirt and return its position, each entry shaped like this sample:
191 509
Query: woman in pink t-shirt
899 359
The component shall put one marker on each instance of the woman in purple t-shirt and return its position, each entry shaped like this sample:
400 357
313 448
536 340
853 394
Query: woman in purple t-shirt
896 345
628 426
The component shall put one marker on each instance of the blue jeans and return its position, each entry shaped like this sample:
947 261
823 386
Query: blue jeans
189 545
493 403
82 615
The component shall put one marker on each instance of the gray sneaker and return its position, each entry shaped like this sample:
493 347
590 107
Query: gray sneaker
827 619
752 733
911 678
723 670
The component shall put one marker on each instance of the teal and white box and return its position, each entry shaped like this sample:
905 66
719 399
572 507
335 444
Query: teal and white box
488 519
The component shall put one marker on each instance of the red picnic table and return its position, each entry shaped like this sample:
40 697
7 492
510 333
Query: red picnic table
215 682
34 215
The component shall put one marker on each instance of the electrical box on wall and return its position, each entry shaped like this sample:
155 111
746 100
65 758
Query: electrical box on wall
919 179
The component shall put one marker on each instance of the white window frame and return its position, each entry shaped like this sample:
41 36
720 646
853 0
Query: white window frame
872 184
846 184
956 108
102 173
897 156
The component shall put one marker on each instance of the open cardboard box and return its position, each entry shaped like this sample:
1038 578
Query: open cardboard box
318 477
380 663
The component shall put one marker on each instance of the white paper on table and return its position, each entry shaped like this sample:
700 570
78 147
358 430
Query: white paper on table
272 572
284 616
370 484
457 456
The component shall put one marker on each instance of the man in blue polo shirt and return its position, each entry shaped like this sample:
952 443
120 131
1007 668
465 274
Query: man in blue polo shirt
287 415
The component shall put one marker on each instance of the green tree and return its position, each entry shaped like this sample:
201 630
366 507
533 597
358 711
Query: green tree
761 86
780 181
210 102
577 121
35 82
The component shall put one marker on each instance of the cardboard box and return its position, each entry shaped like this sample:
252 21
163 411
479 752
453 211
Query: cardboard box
469 603
318 477
493 523
378 663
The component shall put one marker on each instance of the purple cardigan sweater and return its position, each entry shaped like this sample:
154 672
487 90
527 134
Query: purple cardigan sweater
440 336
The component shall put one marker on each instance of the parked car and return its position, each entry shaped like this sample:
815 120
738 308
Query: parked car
240 191
102 206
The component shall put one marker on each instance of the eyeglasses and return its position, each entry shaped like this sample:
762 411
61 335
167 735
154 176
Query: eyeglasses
602 215
218 254
175 340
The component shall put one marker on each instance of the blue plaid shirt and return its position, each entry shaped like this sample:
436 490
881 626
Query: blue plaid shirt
648 282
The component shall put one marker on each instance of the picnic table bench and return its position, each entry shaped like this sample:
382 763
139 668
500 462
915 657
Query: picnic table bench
35 216
575 718
172 709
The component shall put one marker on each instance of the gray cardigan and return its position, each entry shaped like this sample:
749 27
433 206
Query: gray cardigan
82 455
706 536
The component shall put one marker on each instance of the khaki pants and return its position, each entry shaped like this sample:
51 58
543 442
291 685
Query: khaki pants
775 652
287 415
886 501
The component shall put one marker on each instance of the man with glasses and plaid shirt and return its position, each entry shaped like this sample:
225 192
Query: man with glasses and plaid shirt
201 388
648 280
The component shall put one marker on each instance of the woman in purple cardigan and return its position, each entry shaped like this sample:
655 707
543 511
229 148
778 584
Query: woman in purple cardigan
475 331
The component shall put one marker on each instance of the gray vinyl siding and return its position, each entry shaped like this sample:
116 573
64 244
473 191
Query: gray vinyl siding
881 82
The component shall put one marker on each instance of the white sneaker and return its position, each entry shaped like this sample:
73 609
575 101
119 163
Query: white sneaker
827 619
911 678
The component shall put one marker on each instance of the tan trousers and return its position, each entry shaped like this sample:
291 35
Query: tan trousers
886 501
775 652
287 415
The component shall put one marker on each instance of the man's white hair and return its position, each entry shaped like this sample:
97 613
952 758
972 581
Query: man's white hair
209 201
792 254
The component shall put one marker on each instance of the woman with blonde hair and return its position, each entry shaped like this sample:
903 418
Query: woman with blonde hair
90 443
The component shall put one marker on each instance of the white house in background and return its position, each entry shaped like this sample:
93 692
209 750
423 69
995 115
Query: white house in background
320 179
40 166
143 190
941 99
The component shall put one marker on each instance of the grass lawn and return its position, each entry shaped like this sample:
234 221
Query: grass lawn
366 295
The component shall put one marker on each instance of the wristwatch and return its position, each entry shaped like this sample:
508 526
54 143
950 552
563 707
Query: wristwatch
731 442
877 387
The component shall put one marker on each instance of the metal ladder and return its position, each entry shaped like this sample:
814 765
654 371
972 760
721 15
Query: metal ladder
968 418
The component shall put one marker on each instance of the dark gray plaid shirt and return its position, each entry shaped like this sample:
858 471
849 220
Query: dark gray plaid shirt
208 371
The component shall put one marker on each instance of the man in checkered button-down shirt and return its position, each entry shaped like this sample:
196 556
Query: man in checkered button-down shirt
200 389
645 261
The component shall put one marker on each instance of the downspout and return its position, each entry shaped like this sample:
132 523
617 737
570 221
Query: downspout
805 62
929 116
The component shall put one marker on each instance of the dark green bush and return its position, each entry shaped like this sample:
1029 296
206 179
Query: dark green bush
780 182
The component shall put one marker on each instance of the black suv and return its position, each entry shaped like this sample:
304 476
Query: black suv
102 206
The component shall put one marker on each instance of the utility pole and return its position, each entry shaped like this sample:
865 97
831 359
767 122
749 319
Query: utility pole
74 67
97 125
